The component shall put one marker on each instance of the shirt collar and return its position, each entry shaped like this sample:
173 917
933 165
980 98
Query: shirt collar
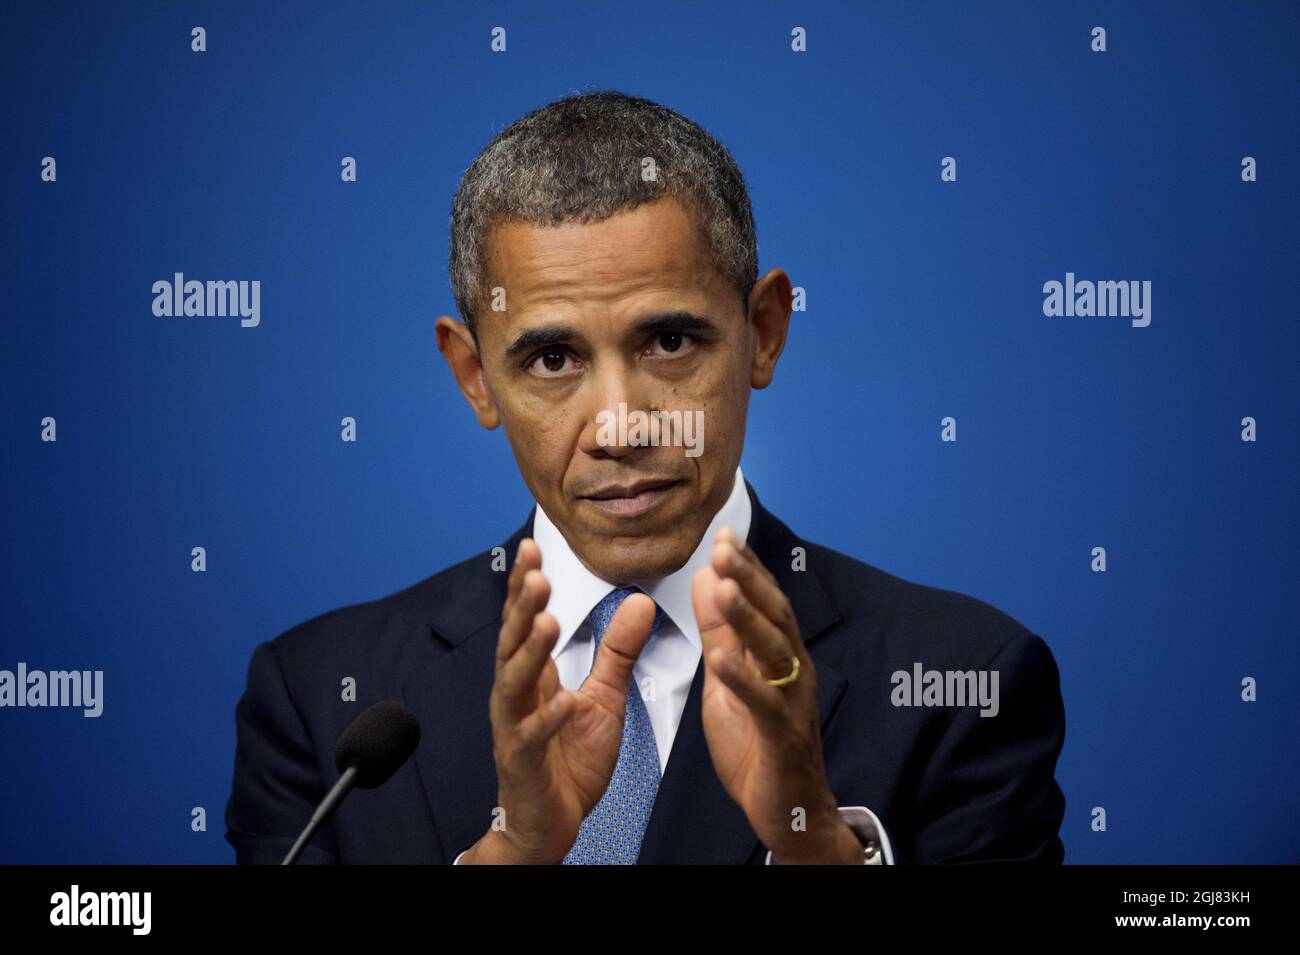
575 590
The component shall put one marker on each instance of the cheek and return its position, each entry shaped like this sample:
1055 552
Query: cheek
541 432
524 411
720 393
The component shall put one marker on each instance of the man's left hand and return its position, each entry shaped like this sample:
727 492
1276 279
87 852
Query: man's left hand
765 740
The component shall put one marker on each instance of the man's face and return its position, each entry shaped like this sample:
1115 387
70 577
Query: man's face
629 311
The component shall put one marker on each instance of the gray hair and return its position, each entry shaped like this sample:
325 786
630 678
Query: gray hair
580 159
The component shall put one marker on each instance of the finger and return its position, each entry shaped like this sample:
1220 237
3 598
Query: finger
730 536
527 557
624 639
536 730
769 646
517 681
766 703
533 594
715 631
759 588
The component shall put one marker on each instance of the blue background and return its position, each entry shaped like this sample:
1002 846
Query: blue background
925 300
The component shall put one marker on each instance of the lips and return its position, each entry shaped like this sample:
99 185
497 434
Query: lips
631 500
628 490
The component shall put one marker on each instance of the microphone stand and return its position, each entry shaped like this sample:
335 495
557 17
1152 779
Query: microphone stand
323 812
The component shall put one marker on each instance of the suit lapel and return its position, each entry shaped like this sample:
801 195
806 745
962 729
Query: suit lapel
450 698
693 820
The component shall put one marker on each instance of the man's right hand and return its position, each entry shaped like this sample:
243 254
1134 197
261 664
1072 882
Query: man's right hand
555 749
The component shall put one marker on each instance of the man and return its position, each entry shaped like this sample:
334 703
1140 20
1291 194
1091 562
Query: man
656 668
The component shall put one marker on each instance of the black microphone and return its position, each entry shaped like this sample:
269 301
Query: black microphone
379 741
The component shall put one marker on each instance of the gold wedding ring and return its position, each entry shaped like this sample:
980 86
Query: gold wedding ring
791 676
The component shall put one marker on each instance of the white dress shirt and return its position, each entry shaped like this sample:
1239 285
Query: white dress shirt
666 666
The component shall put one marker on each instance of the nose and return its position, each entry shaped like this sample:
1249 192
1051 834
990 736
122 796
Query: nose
614 391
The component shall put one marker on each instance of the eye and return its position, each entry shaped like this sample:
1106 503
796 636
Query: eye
549 363
674 343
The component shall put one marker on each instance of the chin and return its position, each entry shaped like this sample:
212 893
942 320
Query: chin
643 557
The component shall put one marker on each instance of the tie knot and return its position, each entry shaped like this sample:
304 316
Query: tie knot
603 612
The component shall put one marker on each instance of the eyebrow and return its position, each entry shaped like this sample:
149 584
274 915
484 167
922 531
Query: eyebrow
548 336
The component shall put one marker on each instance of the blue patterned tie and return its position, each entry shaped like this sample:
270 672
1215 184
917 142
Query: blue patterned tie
611 834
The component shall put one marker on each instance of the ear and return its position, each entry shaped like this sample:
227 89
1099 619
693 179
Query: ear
770 302
461 352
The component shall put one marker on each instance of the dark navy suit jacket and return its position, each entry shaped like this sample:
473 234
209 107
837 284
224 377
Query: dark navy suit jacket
948 784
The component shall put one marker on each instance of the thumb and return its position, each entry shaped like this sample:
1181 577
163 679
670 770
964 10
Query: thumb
622 644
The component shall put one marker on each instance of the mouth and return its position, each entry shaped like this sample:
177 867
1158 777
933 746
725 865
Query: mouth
631 500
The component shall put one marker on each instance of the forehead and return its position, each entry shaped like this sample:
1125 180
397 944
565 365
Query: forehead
603 268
